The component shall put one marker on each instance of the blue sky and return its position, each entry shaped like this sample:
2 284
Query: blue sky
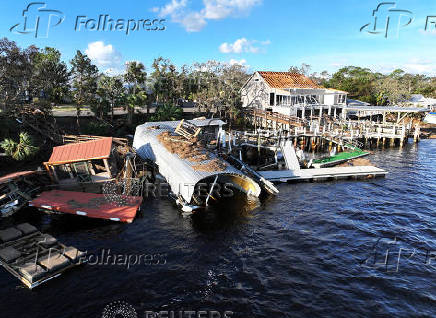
262 34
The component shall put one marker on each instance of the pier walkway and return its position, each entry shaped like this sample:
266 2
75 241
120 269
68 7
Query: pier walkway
323 174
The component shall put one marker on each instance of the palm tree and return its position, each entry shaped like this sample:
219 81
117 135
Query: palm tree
135 76
168 112
111 89
19 151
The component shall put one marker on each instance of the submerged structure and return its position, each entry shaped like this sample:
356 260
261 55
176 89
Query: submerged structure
33 257
17 189
113 207
193 173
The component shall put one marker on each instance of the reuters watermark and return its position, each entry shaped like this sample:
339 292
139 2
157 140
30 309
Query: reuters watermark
202 190
189 314
123 309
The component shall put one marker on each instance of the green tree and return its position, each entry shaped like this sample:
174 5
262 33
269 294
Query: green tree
304 69
358 82
168 112
135 77
84 75
15 74
21 150
391 90
50 78
111 88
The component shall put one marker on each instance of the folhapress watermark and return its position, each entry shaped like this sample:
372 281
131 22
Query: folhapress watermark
108 258
39 19
105 22
390 254
388 20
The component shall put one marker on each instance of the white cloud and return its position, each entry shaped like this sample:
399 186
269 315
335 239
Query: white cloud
194 21
241 62
242 46
427 32
413 66
171 8
426 68
104 56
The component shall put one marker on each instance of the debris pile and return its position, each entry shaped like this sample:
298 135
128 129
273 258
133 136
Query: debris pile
356 162
17 189
211 166
191 150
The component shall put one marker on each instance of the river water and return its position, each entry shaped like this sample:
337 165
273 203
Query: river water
334 249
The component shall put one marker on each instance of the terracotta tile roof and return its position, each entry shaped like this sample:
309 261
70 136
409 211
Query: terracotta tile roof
94 149
288 80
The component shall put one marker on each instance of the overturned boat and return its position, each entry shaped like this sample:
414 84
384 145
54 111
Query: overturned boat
196 176
17 189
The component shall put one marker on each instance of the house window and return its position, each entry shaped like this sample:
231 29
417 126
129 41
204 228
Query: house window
271 99
341 99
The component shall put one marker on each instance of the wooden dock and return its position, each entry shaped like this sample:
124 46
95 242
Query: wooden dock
367 133
323 174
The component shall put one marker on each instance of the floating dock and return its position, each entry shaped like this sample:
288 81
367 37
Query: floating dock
33 257
120 208
323 174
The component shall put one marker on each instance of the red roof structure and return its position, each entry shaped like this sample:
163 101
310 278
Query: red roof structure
88 204
88 150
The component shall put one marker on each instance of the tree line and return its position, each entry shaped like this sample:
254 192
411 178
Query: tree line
40 77
372 87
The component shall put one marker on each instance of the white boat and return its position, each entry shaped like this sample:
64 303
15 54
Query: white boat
430 118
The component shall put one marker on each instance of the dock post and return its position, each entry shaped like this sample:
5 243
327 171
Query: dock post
106 165
416 135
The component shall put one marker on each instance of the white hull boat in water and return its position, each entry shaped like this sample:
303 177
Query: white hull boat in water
430 118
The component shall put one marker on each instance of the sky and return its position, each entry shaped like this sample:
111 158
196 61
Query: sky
268 35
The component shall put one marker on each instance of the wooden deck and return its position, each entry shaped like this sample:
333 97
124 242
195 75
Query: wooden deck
323 174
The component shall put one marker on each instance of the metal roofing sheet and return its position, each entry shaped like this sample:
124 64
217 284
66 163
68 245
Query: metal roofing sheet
196 122
87 204
15 175
94 149
393 109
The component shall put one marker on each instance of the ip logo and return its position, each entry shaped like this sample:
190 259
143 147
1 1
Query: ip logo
387 19
119 309
37 20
